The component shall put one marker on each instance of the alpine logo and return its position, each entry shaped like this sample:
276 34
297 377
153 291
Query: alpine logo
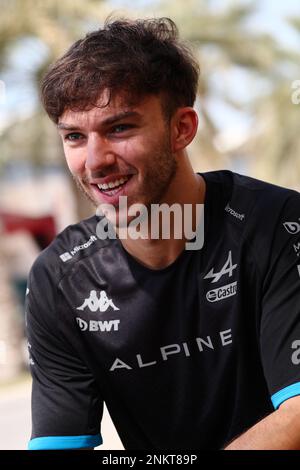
227 268
68 255
94 325
221 293
292 227
168 352
101 303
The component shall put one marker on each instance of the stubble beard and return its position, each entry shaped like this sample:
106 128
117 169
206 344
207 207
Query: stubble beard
157 177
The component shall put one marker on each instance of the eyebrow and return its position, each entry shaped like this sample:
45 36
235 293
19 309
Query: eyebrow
106 122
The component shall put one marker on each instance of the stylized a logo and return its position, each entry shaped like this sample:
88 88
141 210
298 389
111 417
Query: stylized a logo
226 269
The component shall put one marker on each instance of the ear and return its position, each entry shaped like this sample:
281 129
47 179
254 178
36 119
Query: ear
184 126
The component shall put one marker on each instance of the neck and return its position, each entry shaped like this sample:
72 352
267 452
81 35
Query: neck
157 253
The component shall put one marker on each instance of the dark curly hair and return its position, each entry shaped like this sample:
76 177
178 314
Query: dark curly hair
135 57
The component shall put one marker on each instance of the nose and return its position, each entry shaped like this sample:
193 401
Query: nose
99 153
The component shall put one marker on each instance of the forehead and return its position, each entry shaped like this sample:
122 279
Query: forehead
107 109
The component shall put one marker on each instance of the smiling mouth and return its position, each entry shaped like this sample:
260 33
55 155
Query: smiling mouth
113 187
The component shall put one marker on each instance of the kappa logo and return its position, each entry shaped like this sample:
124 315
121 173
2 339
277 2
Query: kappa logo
101 303
292 227
227 268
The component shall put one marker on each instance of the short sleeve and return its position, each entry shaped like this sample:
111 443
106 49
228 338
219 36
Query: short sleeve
66 404
280 321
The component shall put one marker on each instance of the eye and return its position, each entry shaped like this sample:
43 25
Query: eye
73 136
121 128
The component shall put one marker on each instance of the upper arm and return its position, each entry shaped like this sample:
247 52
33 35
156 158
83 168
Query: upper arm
66 403
280 321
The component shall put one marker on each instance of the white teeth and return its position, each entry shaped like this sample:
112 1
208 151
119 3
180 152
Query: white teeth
113 184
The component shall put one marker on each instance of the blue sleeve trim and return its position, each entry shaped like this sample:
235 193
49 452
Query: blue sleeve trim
285 393
64 442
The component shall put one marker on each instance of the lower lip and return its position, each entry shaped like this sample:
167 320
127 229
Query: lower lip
111 199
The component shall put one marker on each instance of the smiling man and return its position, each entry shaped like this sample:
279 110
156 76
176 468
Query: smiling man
164 335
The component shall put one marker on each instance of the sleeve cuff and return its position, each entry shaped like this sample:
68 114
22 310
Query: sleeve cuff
285 394
64 442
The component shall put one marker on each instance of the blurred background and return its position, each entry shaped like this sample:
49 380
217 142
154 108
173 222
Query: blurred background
249 113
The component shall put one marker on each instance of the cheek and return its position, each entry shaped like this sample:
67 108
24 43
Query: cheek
75 161
136 151
130 150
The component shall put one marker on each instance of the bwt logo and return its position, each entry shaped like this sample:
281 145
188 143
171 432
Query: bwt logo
98 325
2 92
296 94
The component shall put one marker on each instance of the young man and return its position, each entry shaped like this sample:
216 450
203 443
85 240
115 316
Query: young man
189 348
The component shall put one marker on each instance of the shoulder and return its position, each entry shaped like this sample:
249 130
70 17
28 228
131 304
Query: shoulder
249 198
261 216
268 195
269 206
236 184
74 243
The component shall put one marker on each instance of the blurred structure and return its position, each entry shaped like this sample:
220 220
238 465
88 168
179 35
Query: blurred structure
33 209
42 229
248 122
16 255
